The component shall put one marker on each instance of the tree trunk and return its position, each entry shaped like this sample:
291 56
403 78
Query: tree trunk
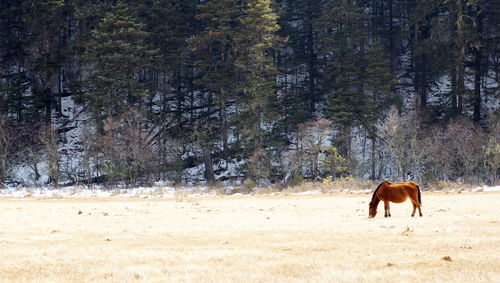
178 112
477 73
2 171
209 171
223 114
19 94
391 40
373 163
315 166
257 132
418 80
460 80
48 85
191 97
454 97
311 65
453 68
460 57
60 90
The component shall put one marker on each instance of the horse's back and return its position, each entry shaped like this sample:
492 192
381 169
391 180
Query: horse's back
394 192
408 186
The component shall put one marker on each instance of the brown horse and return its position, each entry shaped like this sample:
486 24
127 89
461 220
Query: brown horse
395 192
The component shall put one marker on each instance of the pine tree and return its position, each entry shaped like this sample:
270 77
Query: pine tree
33 51
15 42
48 21
428 52
118 55
171 23
216 55
344 39
214 61
298 63
459 25
298 22
256 42
379 82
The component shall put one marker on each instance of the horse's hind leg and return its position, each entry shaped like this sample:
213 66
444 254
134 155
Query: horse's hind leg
416 205
387 209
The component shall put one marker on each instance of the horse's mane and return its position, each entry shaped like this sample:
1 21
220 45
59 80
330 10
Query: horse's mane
375 198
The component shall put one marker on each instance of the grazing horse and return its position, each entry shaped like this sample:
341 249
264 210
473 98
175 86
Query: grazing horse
395 192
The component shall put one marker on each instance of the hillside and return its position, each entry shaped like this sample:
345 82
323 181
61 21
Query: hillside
128 93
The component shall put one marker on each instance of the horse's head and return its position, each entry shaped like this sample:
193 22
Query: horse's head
372 210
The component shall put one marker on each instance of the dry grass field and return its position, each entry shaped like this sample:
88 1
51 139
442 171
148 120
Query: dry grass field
283 238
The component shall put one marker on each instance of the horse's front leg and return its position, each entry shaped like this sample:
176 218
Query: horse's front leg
386 208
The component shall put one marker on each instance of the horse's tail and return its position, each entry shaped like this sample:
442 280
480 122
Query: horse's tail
419 196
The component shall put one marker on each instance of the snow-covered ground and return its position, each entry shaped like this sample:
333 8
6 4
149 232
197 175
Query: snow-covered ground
487 189
158 191
73 191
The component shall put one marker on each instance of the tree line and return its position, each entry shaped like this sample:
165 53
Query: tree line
267 90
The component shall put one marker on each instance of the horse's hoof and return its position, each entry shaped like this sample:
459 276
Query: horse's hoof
412 215
421 215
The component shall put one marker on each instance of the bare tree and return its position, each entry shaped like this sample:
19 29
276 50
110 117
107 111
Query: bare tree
127 148
401 134
312 136
259 165
492 150
436 154
466 140
49 140
203 136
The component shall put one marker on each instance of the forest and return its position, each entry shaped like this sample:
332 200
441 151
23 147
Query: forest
121 92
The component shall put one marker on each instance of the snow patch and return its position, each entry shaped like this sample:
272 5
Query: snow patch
72 191
487 189
313 192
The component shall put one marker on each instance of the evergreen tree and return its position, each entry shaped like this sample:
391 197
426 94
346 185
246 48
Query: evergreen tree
298 64
15 44
255 61
344 39
221 88
379 82
214 53
34 49
118 55
427 52
48 23
171 23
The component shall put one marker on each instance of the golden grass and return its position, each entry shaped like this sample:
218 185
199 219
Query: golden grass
284 238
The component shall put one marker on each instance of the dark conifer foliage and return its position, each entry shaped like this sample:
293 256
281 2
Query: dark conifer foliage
137 91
